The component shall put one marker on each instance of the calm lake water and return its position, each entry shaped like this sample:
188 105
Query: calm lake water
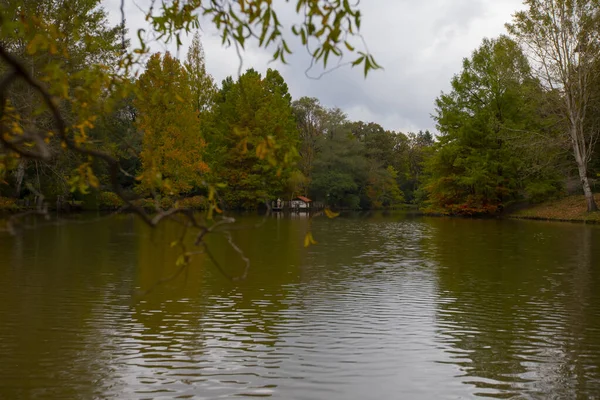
384 307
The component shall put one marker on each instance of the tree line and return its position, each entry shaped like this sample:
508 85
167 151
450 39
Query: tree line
523 116
521 120
180 137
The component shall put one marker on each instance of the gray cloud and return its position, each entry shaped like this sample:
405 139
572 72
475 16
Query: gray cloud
420 44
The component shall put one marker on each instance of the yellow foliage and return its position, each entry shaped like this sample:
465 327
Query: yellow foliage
308 239
172 146
331 214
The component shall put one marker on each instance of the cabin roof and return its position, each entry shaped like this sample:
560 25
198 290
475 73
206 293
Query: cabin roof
304 199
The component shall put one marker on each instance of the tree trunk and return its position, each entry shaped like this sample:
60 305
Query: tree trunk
20 175
589 196
587 190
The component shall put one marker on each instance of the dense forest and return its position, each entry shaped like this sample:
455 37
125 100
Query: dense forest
519 124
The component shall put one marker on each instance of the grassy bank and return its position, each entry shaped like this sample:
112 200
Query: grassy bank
571 208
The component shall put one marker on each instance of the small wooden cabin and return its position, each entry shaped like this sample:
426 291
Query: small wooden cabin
300 203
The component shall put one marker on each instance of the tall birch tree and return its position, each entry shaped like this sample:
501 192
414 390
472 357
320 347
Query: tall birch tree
562 39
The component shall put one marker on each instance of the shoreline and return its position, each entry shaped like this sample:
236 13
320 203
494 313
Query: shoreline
572 221
567 209
570 209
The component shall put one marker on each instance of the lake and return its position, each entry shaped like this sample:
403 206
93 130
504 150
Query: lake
385 306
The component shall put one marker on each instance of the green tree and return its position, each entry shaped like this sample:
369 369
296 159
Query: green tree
593 122
118 133
380 144
310 120
475 169
416 149
253 139
341 170
382 188
172 148
561 37
202 83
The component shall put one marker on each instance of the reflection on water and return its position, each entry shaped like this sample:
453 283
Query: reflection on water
385 306
520 309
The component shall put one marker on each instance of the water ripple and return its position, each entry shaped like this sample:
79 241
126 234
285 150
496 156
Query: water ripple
383 307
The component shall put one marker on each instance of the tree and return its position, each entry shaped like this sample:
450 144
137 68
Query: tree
593 121
328 29
417 150
378 142
381 153
172 148
203 85
310 120
561 37
253 139
476 169
118 132
82 39
341 170
382 188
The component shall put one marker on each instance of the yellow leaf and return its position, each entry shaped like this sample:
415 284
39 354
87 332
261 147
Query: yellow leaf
331 214
94 181
308 239
181 260
38 40
17 129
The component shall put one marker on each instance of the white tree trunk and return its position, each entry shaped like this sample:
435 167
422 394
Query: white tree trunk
587 190
20 175
582 167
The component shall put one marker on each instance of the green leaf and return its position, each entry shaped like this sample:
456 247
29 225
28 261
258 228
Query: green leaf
358 61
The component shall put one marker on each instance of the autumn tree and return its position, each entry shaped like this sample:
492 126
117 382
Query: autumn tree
330 30
74 101
172 148
561 37
81 42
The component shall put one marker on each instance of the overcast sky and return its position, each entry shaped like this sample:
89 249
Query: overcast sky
420 43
